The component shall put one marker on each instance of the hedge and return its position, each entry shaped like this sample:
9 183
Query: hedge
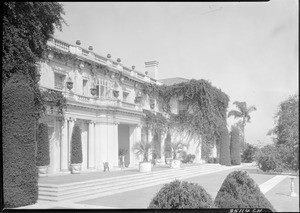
43 155
249 153
240 191
76 147
181 195
20 174
168 147
235 151
224 146
156 143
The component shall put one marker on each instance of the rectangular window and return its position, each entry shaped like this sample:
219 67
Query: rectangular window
104 88
84 87
59 81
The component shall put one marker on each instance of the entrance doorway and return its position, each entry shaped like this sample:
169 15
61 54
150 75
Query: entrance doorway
123 141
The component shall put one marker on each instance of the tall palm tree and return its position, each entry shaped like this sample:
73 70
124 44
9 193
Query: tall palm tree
243 114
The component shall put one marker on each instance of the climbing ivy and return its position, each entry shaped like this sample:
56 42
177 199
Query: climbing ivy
206 108
54 98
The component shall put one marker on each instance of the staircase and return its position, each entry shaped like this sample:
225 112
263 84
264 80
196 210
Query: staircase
113 185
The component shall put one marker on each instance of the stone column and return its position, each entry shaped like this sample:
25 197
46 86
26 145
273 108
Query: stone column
64 147
71 125
97 146
150 137
115 146
91 147
137 138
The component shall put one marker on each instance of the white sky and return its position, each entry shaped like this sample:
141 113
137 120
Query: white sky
248 50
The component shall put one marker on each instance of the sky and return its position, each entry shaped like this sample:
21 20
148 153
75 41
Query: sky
249 50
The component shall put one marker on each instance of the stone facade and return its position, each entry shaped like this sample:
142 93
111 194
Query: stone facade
110 119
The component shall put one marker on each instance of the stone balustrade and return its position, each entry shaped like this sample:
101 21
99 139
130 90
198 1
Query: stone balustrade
97 58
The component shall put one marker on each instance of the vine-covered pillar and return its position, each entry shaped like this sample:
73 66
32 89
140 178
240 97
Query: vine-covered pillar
162 152
71 126
150 138
91 147
64 147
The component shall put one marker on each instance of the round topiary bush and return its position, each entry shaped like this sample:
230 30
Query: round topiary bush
267 163
20 175
43 155
181 195
76 147
267 159
240 191
224 142
235 153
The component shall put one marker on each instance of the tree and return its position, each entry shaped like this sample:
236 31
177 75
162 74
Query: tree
20 176
224 142
43 155
27 26
76 147
235 153
286 132
242 113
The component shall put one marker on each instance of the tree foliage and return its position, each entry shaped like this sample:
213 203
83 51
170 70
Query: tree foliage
20 175
240 191
76 146
181 195
243 113
286 133
27 26
43 155
224 142
235 153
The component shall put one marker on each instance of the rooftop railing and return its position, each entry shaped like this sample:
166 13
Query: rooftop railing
74 49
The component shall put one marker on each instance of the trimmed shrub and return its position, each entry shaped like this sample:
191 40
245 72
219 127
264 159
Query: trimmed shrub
43 155
248 155
156 146
20 174
76 147
240 191
168 147
235 152
224 146
188 158
267 159
181 195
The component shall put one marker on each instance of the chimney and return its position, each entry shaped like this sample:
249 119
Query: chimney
152 68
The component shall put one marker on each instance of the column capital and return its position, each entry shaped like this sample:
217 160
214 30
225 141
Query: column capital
91 122
116 123
71 119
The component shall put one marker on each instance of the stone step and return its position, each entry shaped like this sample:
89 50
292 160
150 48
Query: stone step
107 186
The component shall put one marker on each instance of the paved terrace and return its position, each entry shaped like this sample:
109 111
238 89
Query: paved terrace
275 187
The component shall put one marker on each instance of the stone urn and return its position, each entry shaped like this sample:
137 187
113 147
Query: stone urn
116 93
145 167
69 84
175 163
43 170
93 91
76 168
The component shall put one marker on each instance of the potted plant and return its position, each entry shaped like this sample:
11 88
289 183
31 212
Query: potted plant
143 148
76 150
42 157
122 153
176 149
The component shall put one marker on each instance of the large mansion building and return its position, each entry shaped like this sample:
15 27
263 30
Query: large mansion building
104 97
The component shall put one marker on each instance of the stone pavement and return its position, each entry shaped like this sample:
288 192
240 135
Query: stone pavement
275 187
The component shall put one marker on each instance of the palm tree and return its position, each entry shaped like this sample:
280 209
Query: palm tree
243 114
142 148
177 148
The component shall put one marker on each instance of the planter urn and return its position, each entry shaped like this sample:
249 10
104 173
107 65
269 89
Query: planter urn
43 170
175 163
116 93
93 91
145 167
76 168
